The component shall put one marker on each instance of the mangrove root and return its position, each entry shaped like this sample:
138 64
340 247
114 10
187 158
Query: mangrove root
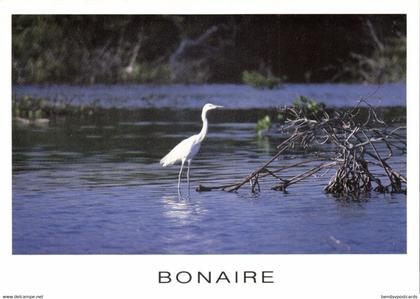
359 142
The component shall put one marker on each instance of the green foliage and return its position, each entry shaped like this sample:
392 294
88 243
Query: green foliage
30 108
36 49
263 125
385 64
27 107
89 49
258 80
308 106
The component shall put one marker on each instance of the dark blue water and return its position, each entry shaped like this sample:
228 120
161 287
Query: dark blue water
231 96
95 186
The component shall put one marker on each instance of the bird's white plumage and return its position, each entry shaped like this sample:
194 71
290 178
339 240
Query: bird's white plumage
185 150
188 148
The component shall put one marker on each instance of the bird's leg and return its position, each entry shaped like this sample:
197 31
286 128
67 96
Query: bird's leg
188 176
179 178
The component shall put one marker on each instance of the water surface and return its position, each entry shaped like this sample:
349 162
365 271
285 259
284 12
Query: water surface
230 95
94 185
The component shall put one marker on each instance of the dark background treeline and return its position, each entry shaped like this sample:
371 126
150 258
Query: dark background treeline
88 49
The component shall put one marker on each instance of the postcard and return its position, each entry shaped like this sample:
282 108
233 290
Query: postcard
214 152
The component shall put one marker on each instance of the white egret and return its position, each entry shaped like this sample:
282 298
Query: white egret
188 148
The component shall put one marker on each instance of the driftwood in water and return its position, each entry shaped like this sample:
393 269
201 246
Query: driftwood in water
355 140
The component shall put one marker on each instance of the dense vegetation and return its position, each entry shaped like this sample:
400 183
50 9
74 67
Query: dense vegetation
260 50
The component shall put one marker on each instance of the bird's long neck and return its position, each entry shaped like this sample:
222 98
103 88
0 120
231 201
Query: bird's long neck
203 131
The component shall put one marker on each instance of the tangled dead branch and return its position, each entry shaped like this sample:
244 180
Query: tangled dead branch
362 145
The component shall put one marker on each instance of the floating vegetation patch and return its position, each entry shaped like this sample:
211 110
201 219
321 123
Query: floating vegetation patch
27 110
259 80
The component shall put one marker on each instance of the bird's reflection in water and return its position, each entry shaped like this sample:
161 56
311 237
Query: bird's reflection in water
183 212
